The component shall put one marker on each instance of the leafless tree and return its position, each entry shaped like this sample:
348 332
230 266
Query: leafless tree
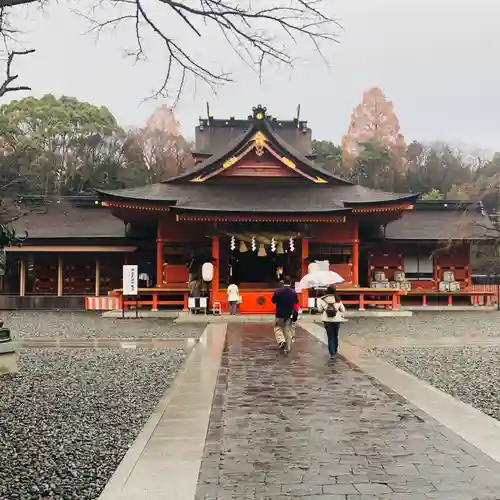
8 83
252 28
8 36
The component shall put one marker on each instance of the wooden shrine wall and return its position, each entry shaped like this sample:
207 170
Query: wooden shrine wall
111 271
457 260
389 258
181 232
336 232
41 274
79 274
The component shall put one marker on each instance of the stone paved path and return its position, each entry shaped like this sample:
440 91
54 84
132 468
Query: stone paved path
307 427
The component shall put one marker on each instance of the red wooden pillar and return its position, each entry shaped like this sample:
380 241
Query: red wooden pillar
355 256
215 282
304 296
159 256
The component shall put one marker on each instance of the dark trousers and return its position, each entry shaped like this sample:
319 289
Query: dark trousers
332 332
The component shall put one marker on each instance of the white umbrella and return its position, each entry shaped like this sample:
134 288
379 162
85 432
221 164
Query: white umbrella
319 279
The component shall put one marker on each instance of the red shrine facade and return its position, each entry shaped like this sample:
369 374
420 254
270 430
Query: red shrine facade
257 206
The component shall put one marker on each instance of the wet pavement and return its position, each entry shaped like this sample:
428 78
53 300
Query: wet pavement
304 426
111 343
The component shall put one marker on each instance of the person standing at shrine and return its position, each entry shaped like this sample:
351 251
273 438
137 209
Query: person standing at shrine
285 298
233 297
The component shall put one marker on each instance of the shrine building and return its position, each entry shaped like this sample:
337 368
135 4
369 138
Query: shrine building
258 207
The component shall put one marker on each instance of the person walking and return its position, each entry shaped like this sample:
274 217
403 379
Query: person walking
295 318
285 298
333 314
233 297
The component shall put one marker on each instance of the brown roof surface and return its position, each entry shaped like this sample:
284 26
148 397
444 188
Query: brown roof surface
214 134
210 140
241 141
433 223
63 220
298 197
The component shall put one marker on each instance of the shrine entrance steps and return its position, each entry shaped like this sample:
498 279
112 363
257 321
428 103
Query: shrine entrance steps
244 422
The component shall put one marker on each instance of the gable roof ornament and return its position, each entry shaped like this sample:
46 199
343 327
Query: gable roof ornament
259 112
259 141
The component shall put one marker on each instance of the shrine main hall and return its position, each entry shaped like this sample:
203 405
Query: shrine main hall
257 206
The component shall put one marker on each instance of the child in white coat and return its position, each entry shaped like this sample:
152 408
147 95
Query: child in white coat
233 297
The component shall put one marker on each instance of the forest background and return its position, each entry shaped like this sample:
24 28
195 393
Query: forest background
61 146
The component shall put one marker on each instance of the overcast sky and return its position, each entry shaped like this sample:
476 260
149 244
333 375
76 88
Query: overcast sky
437 60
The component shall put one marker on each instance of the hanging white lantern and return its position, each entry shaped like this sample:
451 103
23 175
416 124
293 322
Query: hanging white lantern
233 243
280 250
207 271
273 245
262 251
292 246
243 247
254 244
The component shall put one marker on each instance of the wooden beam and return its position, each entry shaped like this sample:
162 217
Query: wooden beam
22 278
304 268
261 218
97 277
159 256
215 282
59 276
135 206
355 256
69 248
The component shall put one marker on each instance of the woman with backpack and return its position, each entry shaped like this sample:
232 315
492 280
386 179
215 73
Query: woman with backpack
333 310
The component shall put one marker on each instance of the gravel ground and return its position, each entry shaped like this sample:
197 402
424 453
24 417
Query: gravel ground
470 374
69 417
29 324
432 324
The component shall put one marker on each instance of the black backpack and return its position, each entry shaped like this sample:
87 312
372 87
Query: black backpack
331 310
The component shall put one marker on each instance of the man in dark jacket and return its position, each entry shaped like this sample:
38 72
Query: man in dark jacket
284 298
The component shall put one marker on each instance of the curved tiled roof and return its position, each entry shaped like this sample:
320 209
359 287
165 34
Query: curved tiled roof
214 162
442 221
303 197
63 220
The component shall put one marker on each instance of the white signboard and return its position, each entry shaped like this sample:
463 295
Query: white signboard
130 280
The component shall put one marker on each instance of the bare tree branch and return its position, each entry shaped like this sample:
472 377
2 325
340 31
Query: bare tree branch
15 3
252 32
6 86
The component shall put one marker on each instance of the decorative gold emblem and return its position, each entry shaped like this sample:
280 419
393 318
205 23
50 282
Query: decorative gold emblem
288 162
320 180
230 162
259 140
260 116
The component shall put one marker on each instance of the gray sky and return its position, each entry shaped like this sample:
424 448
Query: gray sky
436 59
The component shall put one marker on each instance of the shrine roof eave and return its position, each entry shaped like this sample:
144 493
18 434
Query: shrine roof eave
338 216
256 211
135 199
247 199
402 199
